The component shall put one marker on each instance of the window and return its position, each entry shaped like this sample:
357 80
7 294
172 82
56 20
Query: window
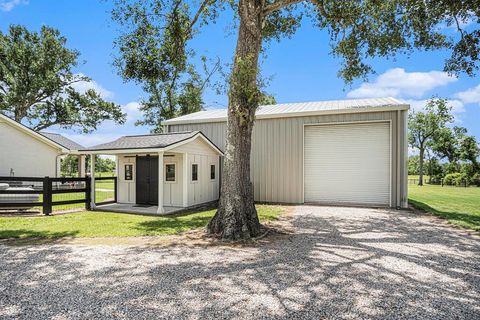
212 172
170 172
129 172
194 172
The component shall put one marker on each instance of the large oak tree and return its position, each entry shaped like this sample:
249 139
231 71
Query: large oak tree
359 30
426 129
37 83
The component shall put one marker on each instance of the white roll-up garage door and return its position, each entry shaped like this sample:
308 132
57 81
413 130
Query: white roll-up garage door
348 163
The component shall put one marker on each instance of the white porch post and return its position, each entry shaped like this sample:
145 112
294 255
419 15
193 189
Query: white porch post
81 165
92 179
160 183
185 180
58 166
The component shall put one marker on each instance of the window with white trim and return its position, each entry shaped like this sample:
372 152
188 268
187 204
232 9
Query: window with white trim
170 174
128 172
194 172
212 172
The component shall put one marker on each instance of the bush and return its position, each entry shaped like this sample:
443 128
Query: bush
476 179
456 179
436 179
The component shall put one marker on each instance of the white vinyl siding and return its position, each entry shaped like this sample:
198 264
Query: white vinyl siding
26 155
200 191
348 163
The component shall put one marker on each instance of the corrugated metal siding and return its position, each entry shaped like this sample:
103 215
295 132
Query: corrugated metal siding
277 152
215 131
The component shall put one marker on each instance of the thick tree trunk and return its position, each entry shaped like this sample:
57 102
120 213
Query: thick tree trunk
420 166
236 217
20 113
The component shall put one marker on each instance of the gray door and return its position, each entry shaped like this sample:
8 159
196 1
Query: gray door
147 180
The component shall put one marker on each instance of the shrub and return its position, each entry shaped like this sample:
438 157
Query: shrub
456 179
476 179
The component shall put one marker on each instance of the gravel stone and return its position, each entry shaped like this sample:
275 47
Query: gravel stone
339 263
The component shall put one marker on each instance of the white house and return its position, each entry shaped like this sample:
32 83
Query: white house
162 171
26 153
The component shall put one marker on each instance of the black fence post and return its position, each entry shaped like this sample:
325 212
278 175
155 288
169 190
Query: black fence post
47 196
88 193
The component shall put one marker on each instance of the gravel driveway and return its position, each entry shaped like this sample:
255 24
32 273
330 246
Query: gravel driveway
340 263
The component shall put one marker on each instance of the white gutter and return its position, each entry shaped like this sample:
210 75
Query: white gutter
295 114
150 150
122 151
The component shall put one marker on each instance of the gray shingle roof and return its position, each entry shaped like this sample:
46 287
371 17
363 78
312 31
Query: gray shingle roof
63 141
294 109
160 140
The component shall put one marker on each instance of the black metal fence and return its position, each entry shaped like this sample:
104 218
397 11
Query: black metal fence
45 194
105 190
54 194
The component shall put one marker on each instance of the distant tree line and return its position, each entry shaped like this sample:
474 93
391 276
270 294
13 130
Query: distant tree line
446 153
69 165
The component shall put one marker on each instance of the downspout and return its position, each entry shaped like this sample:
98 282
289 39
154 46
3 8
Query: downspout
399 156
405 164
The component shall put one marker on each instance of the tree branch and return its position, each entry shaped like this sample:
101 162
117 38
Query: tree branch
3 89
199 12
210 73
458 27
279 4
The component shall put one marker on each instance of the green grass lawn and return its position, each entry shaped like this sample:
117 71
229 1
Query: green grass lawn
103 224
460 206
104 184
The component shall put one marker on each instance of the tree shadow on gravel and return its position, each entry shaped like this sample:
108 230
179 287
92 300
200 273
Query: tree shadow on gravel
27 236
382 265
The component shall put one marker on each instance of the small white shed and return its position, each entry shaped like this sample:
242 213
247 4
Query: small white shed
172 170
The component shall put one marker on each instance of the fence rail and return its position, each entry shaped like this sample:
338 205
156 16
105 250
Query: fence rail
464 183
47 194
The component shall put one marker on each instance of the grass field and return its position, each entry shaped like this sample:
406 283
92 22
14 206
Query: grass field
460 206
103 224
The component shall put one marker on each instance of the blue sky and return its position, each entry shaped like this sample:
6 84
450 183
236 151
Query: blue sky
301 68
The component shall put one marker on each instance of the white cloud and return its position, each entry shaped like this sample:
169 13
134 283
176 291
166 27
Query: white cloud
8 5
471 95
132 111
83 86
397 82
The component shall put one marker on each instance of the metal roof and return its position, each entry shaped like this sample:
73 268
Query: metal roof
297 109
148 141
63 141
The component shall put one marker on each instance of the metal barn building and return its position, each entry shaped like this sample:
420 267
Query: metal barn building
349 152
